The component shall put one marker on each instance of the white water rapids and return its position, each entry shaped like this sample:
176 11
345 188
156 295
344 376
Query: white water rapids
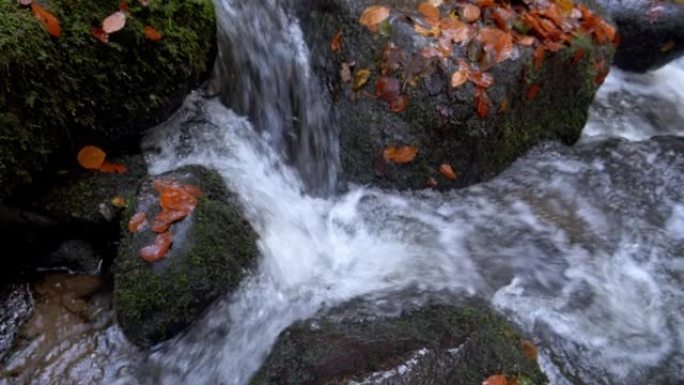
582 248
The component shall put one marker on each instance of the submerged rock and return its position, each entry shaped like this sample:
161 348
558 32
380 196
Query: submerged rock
651 32
211 250
16 305
59 93
431 344
477 130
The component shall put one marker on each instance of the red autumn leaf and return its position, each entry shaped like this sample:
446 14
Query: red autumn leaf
99 34
118 168
51 22
166 218
177 199
137 223
539 54
158 250
447 171
91 157
399 103
497 379
578 56
114 22
481 79
388 89
471 13
482 102
123 6
336 43
485 3
152 34
532 92
373 16
399 155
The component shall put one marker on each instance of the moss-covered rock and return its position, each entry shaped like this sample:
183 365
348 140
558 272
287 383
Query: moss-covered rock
651 32
442 121
433 344
212 249
57 94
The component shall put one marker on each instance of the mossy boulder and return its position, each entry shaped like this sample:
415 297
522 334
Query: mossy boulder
212 250
435 343
57 94
651 32
529 102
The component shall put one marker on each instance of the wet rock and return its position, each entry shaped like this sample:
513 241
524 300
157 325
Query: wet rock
60 93
651 32
16 305
528 102
382 342
212 249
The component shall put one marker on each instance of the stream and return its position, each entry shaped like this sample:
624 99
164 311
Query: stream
581 247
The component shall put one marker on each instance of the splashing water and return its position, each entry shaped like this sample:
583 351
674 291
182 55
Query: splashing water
581 247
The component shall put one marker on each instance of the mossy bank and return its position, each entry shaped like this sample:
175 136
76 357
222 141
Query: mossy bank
59 93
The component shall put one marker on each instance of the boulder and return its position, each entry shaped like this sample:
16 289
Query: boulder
61 91
435 343
392 94
651 32
16 303
212 249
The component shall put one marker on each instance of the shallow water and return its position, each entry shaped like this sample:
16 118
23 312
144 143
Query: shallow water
581 247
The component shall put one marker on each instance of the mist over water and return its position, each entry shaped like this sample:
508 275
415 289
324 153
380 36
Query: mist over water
580 247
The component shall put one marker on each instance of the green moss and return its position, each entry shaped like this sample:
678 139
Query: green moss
61 93
338 351
212 249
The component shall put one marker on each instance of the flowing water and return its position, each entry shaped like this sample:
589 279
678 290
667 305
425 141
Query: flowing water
581 247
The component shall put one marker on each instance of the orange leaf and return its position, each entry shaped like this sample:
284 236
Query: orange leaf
51 22
157 251
114 22
499 41
336 43
539 57
123 6
118 168
91 157
497 379
532 92
485 3
530 350
481 79
482 102
99 34
152 34
447 171
373 16
429 11
400 155
458 78
166 218
471 13
137 223
578 56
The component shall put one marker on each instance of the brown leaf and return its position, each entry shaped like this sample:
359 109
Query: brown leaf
399 103
458 78
399 155
152 34
91 157
431 182
530 350
99 34
499 41
471 13
539 54
497 379
158 250
373 16
482 102
118 202
137 223
578 56
107 167
485 3
532 92
345 72
361 78
667 47
114 22
336 43
51 22
447 171
429 11
481 79
123 6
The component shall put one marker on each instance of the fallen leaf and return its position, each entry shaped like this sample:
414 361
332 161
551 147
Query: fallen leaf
123 6
539 54
497 379
177 199
166 218
481 79
471 13
118 168
431 182
530 350
500 42
345 72
24 2
458 78
485 3
91 157
99 34
51 22
152 34
447 171
118 202
373 16
399 103
482 102
361 78
336 43
400 155
668 46
532 92
388 89
578 56
429 11
158 250
137 223
114 22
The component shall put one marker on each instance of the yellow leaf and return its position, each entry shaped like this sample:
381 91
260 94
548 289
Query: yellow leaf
373 16
400 155
361 78
119 202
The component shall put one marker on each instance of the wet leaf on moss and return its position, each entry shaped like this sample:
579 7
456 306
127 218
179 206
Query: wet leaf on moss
114 22
400 155
51 22
373 16
151 34
91 157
